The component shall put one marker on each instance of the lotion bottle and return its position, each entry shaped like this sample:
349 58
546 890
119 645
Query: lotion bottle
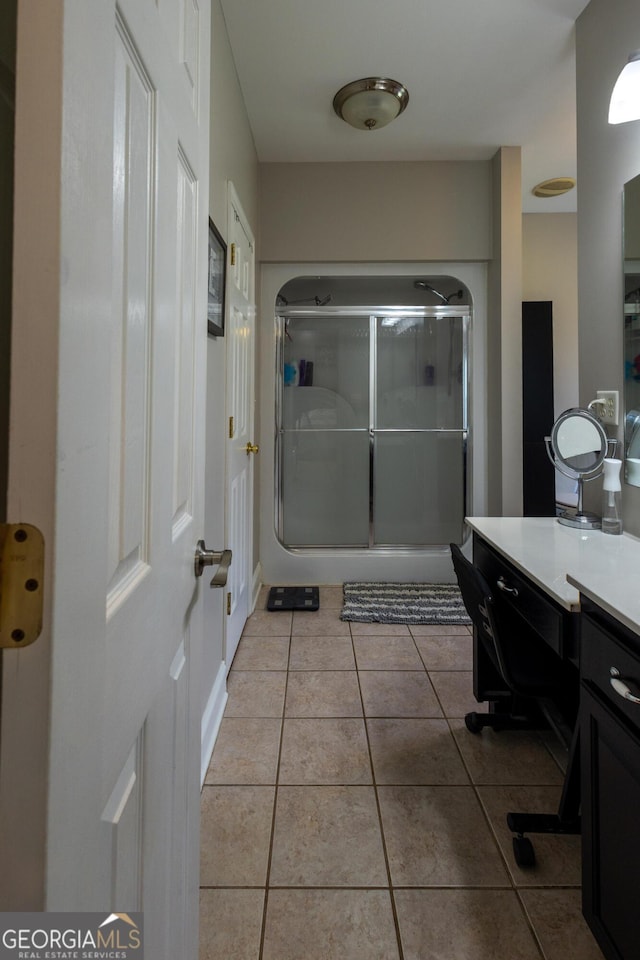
611 515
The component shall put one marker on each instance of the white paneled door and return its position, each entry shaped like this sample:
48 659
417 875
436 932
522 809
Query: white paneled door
241 448
99 784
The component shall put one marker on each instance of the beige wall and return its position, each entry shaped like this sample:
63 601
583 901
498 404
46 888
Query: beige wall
504 339
375 212
233 157
410 212
419 212
233 152
608 156
550 272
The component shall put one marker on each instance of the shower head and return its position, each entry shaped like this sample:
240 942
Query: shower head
423 285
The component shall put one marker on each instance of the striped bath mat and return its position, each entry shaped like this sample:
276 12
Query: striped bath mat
438 603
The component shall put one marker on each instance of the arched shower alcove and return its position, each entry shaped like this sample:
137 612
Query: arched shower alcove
373 435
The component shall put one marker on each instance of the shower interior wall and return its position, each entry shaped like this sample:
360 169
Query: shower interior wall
280 565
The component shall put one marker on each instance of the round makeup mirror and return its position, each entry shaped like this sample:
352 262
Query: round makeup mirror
577 447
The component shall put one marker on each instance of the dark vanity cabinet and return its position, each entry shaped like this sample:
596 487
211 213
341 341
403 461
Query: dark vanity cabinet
610 759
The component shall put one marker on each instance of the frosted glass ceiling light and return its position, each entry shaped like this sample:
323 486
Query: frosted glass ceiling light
625 99
370 103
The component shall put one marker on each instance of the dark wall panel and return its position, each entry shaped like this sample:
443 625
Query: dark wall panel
537 408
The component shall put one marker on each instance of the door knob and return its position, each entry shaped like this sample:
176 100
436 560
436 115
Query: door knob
252 448
207 558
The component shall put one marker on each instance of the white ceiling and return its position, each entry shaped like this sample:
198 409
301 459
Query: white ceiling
480 73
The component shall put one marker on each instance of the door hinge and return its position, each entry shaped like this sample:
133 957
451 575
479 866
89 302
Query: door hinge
229 604
231 428
233 254
21 584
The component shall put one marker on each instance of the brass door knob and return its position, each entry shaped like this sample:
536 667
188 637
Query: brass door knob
252 448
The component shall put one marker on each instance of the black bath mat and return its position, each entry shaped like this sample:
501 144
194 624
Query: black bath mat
293 598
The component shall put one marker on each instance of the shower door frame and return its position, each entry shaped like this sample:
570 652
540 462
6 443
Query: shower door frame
373 313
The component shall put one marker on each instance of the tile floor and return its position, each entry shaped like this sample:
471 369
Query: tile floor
349 815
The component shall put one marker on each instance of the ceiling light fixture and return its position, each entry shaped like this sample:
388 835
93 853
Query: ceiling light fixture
554 187
370 103
625 99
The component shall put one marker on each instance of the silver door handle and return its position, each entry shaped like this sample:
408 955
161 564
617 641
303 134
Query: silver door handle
502 585
208 558
621 687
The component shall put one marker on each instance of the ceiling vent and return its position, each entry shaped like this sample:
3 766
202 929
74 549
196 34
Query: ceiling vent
554 187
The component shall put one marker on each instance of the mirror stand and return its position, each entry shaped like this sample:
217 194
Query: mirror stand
577 518
577 448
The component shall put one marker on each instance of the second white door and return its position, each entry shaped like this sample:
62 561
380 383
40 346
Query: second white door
241 448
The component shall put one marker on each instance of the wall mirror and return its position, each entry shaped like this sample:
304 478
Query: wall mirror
577 448
631 252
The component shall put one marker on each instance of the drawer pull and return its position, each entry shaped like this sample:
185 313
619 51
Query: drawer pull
502 585
621 688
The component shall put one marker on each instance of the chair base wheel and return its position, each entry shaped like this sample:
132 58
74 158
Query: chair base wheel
473 723
523 852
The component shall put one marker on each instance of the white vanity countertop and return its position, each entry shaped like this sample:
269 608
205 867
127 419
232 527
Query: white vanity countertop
603 567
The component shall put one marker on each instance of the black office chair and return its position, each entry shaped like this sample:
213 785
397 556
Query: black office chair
529 669
533 676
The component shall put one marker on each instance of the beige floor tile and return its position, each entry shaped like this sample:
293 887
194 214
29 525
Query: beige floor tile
322 623
398 693
438 836
230 924
510 756
255 693
455 692
331 597
327 751
234 835
386 653
445 652
379 629
262 653
330 925
323 693
327 836
556 917
557 857
439 629
463 925
246 751
414 752
321 653
267 623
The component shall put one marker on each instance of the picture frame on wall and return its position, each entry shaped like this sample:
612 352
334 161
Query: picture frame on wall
216 282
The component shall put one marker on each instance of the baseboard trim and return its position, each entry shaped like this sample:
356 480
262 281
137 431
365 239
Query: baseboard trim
257 584
211 719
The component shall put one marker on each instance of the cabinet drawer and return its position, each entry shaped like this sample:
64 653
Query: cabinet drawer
601 650
511 588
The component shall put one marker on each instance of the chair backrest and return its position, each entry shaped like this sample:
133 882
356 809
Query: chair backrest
476 596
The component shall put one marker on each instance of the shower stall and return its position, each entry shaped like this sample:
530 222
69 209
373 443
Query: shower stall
372 427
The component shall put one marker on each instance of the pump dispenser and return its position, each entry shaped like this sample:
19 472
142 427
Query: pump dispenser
611 516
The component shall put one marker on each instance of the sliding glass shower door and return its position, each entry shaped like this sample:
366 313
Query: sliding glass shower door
371 427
